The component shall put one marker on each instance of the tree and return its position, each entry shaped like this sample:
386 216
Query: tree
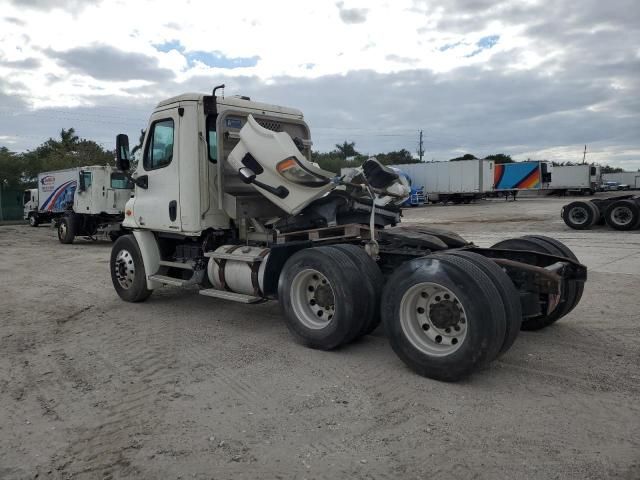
466 156
10 168
347 149
399 157
500 158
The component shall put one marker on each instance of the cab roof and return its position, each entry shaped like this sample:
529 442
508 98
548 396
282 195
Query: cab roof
233 101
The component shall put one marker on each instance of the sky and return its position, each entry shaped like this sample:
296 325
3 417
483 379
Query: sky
533 79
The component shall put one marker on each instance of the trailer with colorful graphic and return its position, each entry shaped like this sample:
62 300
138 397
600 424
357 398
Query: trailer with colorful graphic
513 177
82 201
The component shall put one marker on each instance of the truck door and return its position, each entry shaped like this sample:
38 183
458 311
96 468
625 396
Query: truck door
157 207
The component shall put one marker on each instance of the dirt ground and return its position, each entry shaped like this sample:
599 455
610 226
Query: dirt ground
184 386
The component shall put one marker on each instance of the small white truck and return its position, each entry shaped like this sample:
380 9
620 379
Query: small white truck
82 201
227 199
582 179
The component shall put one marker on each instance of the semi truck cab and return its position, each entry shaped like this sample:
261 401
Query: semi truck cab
227 199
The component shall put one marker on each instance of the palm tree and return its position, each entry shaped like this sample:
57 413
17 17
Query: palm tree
347 149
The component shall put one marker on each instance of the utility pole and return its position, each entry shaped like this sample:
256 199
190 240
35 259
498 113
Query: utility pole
421 147
584 155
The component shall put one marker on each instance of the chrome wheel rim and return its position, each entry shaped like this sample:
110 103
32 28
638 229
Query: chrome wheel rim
622 215
125 269
62 229
433 319
32 220
578 215
313 299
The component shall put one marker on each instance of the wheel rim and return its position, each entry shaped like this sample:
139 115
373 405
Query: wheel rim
313 299
62 229
125 269
433 319
578 215
32 220
622 215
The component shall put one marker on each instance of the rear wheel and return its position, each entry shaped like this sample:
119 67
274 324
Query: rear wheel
127 270
67 227
570 289
373 276
579 215
507 290
623 215
324 300
443 316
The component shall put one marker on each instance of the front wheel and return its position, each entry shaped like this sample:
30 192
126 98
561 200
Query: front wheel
34 220
127 270
67 229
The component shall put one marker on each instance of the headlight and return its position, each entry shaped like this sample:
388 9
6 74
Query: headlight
293 171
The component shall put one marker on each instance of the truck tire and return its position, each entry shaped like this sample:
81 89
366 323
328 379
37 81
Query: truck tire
373 277
127 270
570 288
566 252
507 290
623 215
67 227
579 215
443 316
34 221
323 298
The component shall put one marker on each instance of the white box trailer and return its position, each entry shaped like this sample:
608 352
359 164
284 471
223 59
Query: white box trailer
81 200
459 181
624 178
575 178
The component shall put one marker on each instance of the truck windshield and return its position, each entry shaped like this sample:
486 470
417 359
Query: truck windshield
120 180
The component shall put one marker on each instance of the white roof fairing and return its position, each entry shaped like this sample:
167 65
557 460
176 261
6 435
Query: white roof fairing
232 102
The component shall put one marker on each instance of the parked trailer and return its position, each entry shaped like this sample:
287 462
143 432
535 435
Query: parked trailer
457 182
584 179
620 213
632 179
517 176
82 201
227 199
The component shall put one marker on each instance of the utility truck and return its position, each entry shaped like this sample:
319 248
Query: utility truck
227 199
85 201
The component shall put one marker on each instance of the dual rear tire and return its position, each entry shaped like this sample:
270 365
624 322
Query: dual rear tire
445 315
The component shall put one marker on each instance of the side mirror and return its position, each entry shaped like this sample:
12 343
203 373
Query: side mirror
81 184
122 153
247 175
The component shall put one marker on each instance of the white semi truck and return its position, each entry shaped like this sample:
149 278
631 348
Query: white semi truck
83 201
227 199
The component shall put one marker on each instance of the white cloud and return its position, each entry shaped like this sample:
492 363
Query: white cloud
64 53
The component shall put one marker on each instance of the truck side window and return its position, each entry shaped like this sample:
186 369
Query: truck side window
87 179
159 151
27 196
120 181
212 138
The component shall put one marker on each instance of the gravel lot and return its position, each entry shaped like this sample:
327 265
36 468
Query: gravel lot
185 386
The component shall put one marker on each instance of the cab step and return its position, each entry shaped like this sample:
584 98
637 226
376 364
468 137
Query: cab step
184 265
166 280
234 297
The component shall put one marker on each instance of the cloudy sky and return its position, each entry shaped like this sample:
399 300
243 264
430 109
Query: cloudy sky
535 79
